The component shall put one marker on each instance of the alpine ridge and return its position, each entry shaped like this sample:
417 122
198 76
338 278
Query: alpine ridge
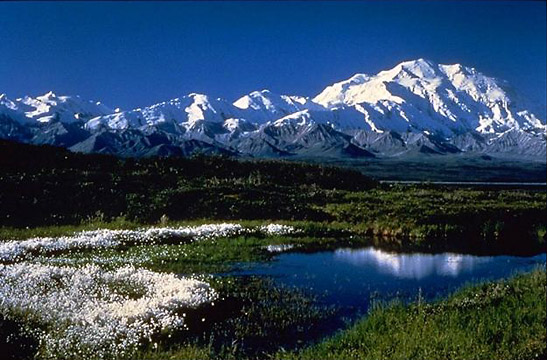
417 108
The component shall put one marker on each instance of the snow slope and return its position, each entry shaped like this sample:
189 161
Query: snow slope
420 95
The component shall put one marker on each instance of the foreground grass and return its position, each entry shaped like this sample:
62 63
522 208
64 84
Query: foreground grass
309 228
499 320
200 257
437 217
488 321
381 218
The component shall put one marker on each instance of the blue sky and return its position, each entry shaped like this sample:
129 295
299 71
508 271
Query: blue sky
137 53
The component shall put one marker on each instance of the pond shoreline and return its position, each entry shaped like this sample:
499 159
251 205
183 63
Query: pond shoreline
434 330
395 240
250 309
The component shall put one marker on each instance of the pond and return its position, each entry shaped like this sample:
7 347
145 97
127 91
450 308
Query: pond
350 279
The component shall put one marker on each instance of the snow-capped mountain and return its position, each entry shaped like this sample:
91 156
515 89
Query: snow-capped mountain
50 107
418 107
263 106
178 114
422 96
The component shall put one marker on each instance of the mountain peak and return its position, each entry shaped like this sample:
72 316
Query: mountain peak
418 62
452 70
6 102
264 93
443 99
421 68
257 100
48 95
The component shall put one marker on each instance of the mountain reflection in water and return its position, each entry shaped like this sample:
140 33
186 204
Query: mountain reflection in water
350 279
411 266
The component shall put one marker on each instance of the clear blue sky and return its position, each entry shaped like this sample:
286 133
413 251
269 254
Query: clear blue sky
138 53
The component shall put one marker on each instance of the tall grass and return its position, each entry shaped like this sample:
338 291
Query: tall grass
499 320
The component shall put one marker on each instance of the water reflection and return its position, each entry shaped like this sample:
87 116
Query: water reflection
411 266
350 278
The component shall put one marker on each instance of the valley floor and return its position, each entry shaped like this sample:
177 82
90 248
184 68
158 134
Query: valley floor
449 168
107 258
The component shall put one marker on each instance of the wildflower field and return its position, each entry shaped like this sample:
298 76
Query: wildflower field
105 306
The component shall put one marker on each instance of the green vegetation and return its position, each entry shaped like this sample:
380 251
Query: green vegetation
15 342
449 167
55 192
200 257
47 191
253 318
434 218
496 320
51 186
500 320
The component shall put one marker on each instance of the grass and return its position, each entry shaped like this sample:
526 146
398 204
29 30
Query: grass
203 257
122 223
200 257
434 218
404 218
42 187
15 342
264 316
254 318
458 167
16 233
498 320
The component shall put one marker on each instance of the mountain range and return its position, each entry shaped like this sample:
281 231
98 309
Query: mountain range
417 108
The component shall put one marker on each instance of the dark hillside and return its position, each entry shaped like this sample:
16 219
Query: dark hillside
48 185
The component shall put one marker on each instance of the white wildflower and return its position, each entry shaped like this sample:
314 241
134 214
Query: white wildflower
18 250
100 312
279 248
277 229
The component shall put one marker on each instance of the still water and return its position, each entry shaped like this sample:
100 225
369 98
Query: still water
351 278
